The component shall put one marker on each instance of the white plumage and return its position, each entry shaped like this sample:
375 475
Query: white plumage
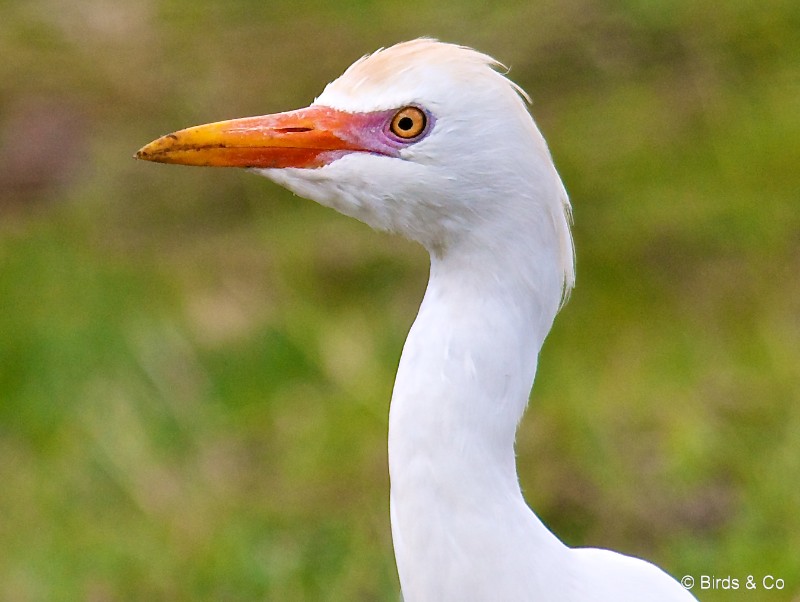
477 187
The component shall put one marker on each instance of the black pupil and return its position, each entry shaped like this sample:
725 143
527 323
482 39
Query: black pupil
405 123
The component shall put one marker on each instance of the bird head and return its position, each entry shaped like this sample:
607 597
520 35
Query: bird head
423 138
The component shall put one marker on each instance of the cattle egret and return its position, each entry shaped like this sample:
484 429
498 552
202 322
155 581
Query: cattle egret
431 141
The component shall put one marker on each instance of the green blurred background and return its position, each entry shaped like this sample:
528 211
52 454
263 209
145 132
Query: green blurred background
195 366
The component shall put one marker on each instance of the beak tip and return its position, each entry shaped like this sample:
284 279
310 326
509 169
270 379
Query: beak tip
150 151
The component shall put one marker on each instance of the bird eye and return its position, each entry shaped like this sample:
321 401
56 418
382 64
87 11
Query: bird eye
408 123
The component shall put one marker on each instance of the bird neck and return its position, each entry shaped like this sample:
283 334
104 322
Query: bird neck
462 385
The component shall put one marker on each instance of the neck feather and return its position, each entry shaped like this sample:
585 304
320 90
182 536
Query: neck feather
463 383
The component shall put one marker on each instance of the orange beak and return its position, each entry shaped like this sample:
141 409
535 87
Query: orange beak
310 137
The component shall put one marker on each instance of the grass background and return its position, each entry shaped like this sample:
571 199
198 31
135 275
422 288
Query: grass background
195 366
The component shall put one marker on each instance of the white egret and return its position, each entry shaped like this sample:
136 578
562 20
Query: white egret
429 140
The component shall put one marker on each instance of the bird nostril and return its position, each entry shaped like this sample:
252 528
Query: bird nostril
293 130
